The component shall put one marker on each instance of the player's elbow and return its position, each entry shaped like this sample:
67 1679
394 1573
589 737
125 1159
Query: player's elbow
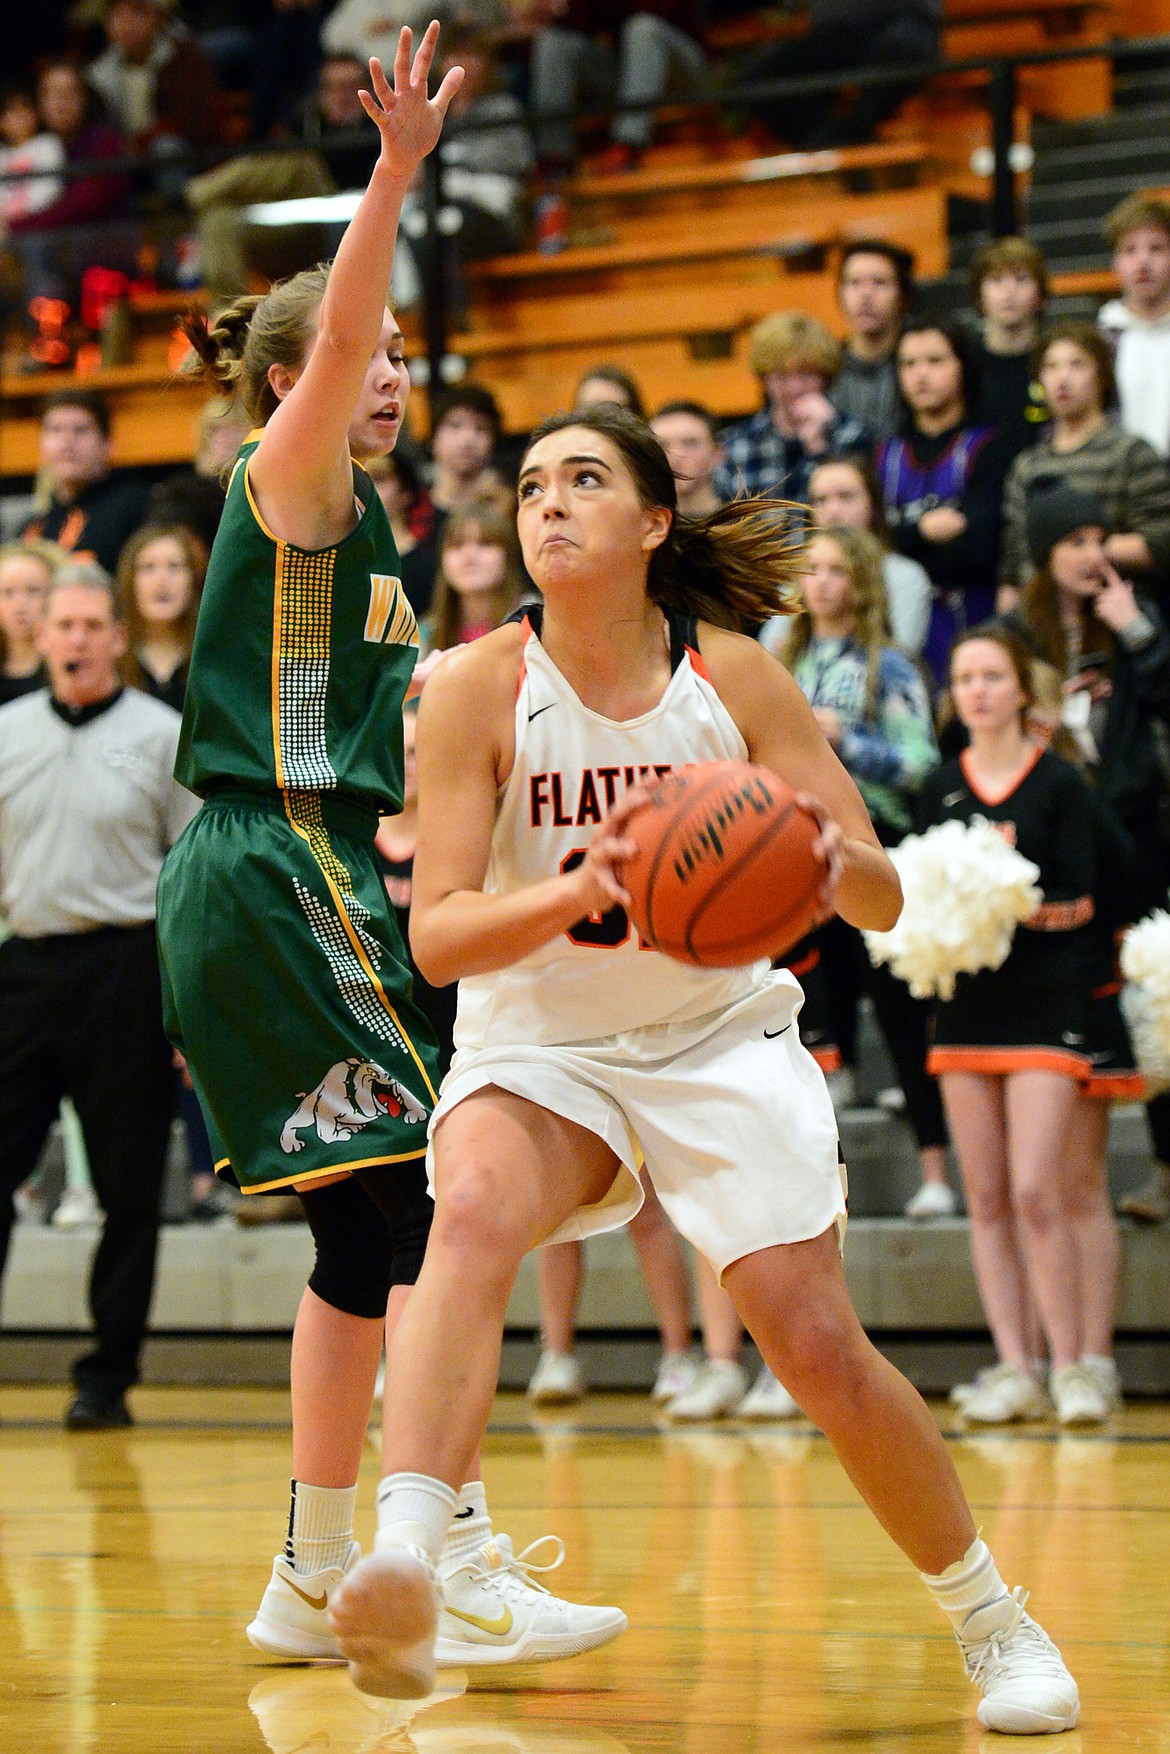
887 904
431 957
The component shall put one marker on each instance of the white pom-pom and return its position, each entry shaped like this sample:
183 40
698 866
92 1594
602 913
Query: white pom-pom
965 891
1145 963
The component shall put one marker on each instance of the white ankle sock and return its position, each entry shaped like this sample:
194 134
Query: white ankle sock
471 1525
320 1526
971 1583
414 1511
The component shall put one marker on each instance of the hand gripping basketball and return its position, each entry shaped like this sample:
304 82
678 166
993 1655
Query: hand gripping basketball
731 864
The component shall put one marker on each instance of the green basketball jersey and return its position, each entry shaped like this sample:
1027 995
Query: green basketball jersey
301 659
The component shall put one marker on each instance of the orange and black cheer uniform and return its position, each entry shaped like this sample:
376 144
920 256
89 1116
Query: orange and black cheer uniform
1033 1013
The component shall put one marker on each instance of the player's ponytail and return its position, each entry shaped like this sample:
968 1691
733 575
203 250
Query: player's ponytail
238 345
734 568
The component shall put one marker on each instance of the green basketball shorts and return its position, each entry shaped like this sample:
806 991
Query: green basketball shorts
287 989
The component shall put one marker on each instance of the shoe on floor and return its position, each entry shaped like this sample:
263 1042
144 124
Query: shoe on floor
718 1390
91 1411
218 1202
1107 1377
1027 1691
678 1372
384 1613
1004 1395
931 1200
842 1086
495 1611
1150 1202
292 1619
29 1205
767 1399
891 1100
77 1209
1077 1396
557 1381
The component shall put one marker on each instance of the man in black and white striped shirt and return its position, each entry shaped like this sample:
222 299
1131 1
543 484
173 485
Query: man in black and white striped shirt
88 809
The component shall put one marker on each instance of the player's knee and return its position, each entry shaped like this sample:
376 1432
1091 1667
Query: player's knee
816 1360
479 1220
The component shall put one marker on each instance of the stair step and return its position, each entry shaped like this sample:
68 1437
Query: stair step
1133 121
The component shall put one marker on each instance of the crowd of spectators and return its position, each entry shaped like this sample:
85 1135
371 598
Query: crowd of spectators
997 468
169 94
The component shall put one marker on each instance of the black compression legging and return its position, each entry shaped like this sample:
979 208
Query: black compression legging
370 1233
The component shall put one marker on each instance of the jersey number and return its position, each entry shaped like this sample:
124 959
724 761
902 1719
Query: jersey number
599 931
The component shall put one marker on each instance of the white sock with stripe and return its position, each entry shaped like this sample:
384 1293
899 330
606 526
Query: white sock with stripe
320 1527
971 1583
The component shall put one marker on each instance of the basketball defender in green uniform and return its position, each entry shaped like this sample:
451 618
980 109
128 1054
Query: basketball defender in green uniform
286 984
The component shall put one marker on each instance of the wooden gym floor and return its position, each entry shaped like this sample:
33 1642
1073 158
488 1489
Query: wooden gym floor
767 1611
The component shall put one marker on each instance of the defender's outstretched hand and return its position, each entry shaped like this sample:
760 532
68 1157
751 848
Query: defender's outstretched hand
408 120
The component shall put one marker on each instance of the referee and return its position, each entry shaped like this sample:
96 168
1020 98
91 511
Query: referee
88 808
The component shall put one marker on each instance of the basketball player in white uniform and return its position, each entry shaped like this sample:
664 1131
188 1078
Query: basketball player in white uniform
580 1053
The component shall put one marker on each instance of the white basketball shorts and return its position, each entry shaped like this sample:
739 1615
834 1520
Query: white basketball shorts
728 1112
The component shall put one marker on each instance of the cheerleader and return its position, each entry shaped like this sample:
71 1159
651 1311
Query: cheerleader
1011 1046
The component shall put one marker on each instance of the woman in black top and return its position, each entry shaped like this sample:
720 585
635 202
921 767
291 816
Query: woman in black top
160 572
1010 1046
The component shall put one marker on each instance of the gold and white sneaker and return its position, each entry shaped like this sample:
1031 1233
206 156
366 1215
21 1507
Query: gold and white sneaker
495 1611
292 1619
384 1613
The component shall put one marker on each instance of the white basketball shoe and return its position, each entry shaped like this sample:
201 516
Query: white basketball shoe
495 1611
1027 1691
293 1618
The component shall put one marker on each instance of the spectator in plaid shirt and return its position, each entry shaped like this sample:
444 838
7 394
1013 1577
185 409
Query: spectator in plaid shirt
776 450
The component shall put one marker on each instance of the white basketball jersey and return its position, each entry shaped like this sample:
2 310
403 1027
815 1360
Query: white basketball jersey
598 979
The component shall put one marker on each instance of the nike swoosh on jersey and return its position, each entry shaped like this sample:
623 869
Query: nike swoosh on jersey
318 1602
495 1628
541 709
771 1034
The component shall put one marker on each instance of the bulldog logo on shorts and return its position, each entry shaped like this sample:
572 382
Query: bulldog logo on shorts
351 1095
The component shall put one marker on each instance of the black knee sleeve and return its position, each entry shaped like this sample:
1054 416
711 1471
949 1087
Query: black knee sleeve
399 1191
354 1262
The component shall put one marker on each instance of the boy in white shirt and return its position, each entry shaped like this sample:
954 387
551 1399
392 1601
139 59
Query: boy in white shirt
1138 323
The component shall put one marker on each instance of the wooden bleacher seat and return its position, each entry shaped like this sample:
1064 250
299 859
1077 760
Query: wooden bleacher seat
900 159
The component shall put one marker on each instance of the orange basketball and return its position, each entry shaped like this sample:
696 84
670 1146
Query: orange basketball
725 871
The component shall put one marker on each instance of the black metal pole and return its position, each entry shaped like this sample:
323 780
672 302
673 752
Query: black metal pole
433 279
1002 100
